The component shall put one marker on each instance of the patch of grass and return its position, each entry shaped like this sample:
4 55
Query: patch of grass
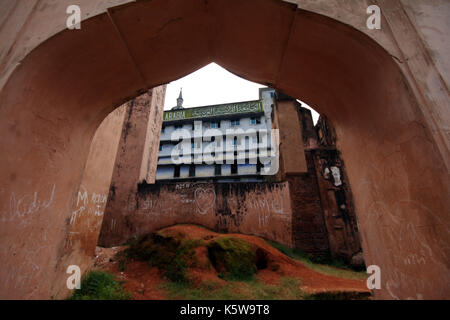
169 254
334 267
208 290
287 289
100 285
233 258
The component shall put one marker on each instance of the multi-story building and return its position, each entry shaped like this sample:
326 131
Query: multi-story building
230 142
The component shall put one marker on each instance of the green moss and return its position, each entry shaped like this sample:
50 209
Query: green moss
208 290
333 267
168 253
100 285
287 289
233 258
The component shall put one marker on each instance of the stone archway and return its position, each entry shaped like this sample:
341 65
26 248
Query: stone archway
55 99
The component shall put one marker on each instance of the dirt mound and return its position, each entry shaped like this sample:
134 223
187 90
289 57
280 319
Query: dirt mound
189 253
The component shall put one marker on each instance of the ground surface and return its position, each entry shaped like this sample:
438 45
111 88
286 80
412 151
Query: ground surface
145 282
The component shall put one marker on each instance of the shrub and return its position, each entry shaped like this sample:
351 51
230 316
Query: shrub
233 258
100 285
165 252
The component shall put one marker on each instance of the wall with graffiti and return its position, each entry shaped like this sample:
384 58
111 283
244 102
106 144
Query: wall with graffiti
261 209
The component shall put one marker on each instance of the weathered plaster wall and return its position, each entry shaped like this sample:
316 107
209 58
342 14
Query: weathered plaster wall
421 41
431 21
291 141
29 23
151 144
136 155
83 227
90 201
261 209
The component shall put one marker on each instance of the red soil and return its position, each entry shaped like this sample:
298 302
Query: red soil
139 278
143 281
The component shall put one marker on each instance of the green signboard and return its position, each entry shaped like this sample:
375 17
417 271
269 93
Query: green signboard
214 111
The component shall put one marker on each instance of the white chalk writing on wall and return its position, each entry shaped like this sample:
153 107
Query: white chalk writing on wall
205 199
18 212
266 207
93 202
156 206
24 206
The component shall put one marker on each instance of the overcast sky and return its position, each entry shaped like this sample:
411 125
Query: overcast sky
210 85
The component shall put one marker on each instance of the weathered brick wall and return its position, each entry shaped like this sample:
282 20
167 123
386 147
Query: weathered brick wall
261 209
337 204
308 226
